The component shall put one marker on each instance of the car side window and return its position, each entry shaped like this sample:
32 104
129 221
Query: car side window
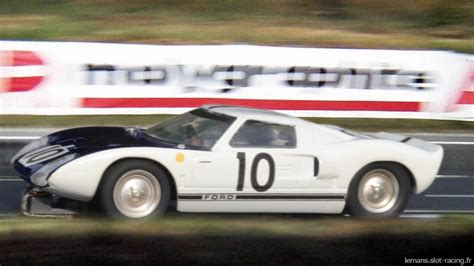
266 135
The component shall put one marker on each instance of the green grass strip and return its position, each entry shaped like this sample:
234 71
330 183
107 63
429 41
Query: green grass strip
362 124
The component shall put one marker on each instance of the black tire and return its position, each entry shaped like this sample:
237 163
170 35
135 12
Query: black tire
119 188
356 196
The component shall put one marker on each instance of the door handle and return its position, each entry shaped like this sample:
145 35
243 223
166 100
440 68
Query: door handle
203 160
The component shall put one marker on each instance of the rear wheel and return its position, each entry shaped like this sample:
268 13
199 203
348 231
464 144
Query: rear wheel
379 190
135 189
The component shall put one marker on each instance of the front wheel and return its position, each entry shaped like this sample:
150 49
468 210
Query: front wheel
135 189
379 190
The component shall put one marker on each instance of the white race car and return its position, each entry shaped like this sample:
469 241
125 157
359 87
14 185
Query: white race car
230 159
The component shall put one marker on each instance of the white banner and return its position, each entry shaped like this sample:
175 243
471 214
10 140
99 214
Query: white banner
92 78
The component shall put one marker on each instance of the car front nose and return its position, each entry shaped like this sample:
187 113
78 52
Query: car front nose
36 165
33 145
40 177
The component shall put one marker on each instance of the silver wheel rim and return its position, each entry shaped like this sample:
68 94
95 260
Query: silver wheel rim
137 193
378 191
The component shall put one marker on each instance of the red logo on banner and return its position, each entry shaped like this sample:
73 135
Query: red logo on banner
20 71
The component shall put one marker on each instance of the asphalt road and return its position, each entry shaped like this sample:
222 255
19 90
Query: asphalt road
452 191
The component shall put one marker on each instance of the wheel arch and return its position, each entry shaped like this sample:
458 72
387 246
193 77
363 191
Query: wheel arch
156 163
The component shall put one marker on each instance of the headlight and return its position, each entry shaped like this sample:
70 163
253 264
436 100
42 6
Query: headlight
41 176
30 147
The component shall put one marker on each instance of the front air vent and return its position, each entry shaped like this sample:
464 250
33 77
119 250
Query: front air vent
316 166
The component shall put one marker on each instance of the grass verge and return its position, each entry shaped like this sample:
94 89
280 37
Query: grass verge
422 24
175 223
235 239
361 124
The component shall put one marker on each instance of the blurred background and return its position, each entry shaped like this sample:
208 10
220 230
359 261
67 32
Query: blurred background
443 228
406 24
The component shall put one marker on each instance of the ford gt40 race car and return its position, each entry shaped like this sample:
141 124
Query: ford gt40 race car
230 159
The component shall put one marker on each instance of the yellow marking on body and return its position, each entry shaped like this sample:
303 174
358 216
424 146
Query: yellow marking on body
180 157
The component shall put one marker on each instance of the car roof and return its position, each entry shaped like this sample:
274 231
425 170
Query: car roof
254 113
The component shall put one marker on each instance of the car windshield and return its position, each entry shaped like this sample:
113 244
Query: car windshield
199 128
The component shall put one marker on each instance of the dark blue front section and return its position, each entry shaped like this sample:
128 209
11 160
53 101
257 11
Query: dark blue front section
86 140
92 139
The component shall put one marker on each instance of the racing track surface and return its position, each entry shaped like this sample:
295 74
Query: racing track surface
452 191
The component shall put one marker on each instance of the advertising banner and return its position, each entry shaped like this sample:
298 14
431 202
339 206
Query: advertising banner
98 78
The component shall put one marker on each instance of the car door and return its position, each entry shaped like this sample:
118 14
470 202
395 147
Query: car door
268 157
256 157
256 167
